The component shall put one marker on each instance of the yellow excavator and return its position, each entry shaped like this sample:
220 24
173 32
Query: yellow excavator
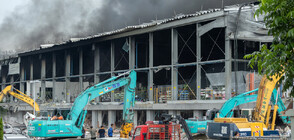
222 128
19 95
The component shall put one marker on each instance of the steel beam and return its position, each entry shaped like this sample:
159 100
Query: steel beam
31 69
174 61
198 59
150 75
132 54
67 74
11 81
54 95
43 77
96 64
22 78
112 64
219 22
81 70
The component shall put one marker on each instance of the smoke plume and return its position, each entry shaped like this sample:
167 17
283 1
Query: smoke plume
52 21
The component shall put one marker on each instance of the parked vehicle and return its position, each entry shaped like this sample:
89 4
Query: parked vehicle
8 129
14 137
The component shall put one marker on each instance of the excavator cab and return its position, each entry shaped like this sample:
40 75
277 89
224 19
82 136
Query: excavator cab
60 114
211 114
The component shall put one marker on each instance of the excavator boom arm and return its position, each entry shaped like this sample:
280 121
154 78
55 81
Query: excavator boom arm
19 95
105 87
266 88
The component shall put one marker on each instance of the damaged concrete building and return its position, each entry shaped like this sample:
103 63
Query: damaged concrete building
185 65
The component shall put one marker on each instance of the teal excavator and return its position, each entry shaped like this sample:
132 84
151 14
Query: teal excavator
199 126
72 125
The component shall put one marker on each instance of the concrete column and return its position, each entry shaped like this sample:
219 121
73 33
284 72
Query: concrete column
111 117
174 60
31 76
150 75
150 115
31 69
197 113
81 70
132 54
22 79
3 85
135 119
67 74
96 63
112 64
198 59
54 95
95 119
96 66
99 118
43 77
3 81
11 81
228 64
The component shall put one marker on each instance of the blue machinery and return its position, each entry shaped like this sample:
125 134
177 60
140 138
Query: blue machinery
72 125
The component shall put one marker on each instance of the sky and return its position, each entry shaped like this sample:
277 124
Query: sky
8 6
26 24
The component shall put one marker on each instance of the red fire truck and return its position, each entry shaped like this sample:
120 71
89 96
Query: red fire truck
168 129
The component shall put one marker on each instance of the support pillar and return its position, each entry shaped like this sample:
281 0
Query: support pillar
132 53
11 81
43 77
228 65
54 95
112 64
67 78
99 118
174 60
150 115
96 66
111 117
31 69
3 81
150 75
197 113
135 119
198 67
95 119
31 76
4 85
22 79
81 70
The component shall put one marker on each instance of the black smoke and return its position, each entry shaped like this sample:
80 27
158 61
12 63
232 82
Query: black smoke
54 21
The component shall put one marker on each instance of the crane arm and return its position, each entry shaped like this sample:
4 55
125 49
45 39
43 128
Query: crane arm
105 87
243 98
19 95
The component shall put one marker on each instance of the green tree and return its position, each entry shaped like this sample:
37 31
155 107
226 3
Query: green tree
278 58
1 129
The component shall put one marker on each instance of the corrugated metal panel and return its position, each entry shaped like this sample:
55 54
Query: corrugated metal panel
131 28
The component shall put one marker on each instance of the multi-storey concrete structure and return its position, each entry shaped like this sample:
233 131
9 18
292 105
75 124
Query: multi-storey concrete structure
185 65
